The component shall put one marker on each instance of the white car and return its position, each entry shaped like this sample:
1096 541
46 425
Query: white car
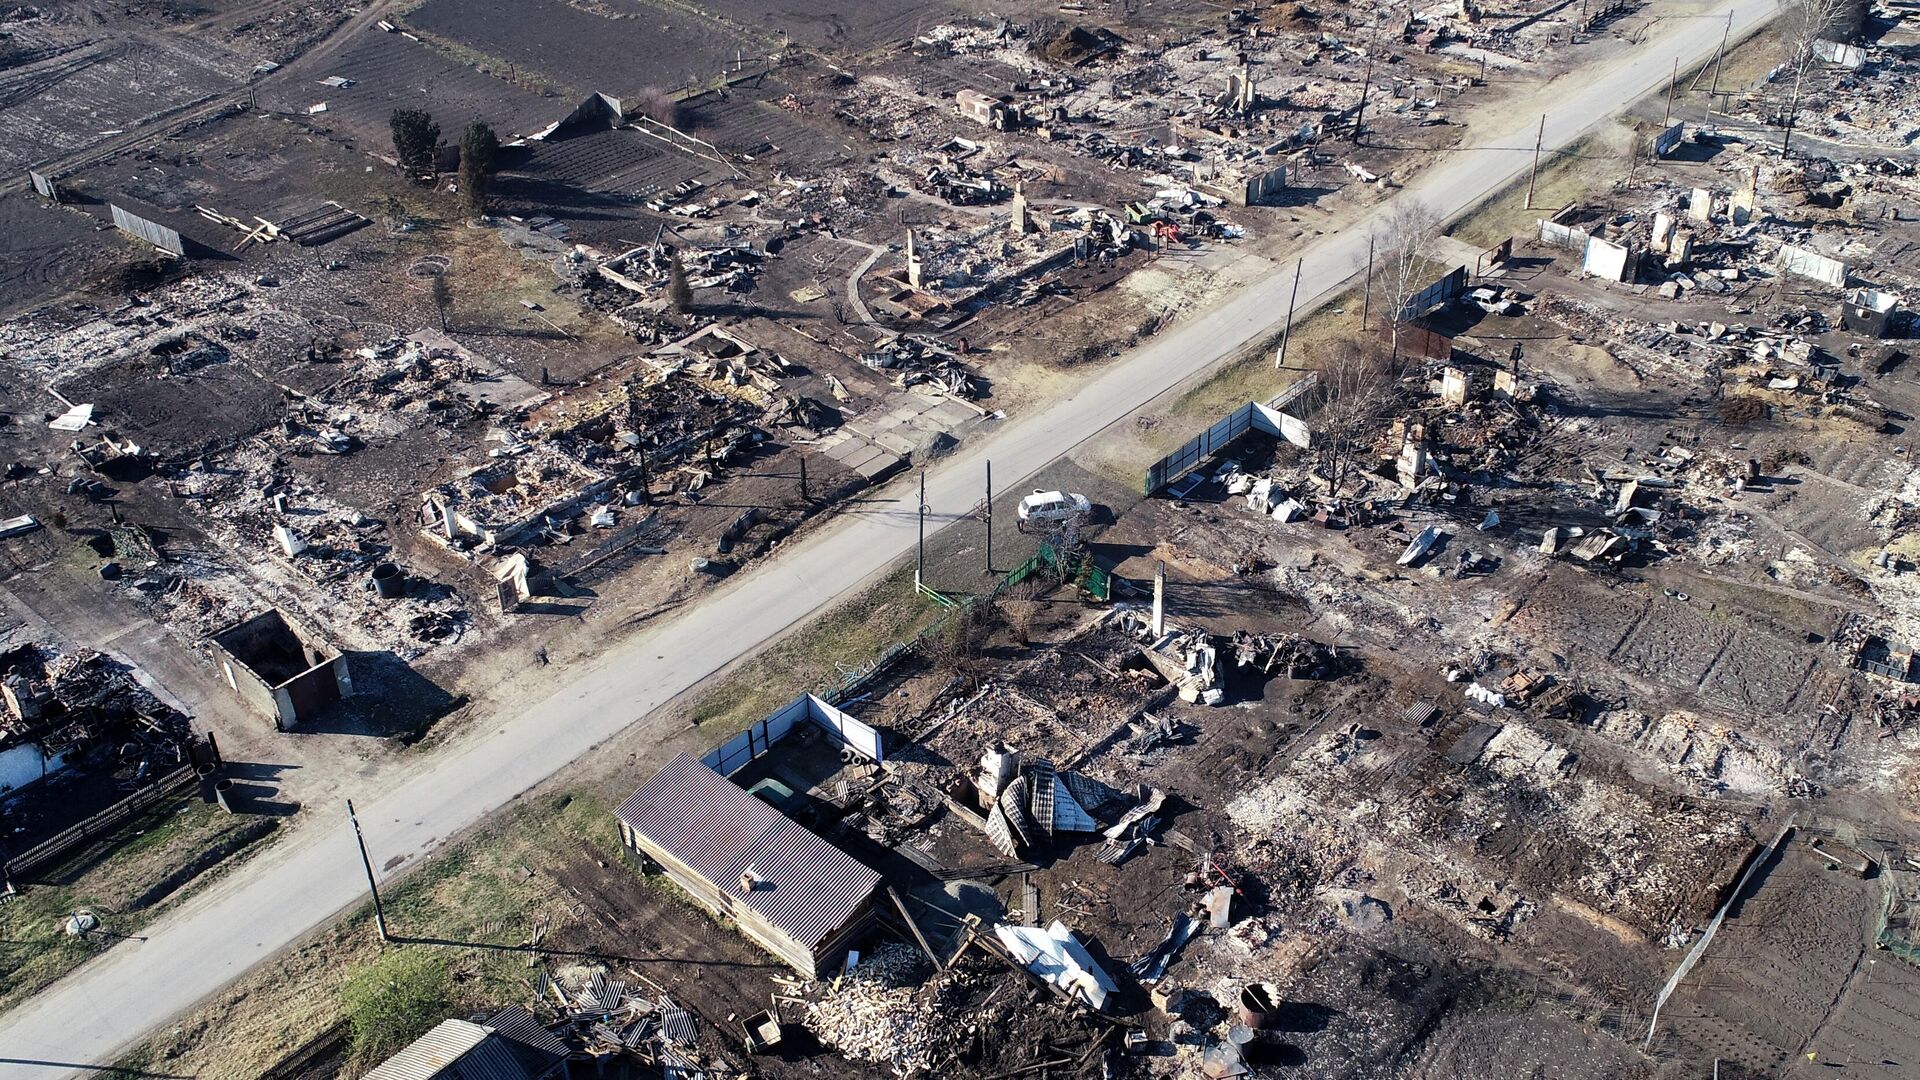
1049 506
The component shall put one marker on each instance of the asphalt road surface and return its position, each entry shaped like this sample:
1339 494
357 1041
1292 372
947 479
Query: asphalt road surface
102 1010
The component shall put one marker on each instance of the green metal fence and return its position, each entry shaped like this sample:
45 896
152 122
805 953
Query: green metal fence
1080 570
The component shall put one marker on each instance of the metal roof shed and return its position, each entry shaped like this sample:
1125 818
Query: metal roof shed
462 1050
792 892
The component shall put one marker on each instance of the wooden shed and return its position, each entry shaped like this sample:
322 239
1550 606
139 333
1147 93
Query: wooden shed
797 896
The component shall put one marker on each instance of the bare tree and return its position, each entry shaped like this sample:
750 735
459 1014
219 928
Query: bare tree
1019 608
958 647
659 105
1804 24
1399 267
1639 148
1357 393
442 295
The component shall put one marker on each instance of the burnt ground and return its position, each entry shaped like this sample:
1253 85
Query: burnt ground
585 50
48 255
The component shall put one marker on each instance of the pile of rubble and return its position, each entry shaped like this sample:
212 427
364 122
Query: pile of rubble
79 706
976 1016
917 361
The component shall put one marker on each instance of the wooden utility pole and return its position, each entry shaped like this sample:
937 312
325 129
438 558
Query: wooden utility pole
366 862
1535 174
1671 81
989 515
1366 295
1720 55
805 497
1286 334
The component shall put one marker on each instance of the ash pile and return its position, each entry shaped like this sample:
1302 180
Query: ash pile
978 1016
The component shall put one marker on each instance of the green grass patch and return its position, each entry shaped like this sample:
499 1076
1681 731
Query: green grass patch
1576 173
817 655
461 922
394 1000
35 949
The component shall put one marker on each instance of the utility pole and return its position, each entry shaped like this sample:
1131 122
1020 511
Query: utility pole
804 496
1360 114
1366 296
1286 335
1535 174
920 550
1720 55
989 515
379 914
1671 81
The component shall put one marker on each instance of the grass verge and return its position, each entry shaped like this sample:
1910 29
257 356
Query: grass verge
1573 174
462 919
463 915
1123 452
845 638
149 864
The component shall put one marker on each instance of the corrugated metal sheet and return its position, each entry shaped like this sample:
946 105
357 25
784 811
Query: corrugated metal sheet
808 889
538 1050
454 1050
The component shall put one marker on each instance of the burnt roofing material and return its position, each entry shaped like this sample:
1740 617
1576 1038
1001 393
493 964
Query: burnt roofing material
804 887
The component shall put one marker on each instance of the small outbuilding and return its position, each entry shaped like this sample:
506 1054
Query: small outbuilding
284 670
790 891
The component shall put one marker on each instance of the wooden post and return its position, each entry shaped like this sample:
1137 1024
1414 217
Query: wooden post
804 496
915 927
1360 114
1535 174
1720 55
366 862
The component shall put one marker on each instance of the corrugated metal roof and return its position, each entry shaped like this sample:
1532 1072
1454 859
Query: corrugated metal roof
453 1050
808 890
538 1050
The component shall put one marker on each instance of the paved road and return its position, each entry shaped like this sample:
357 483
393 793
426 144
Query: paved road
311 877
